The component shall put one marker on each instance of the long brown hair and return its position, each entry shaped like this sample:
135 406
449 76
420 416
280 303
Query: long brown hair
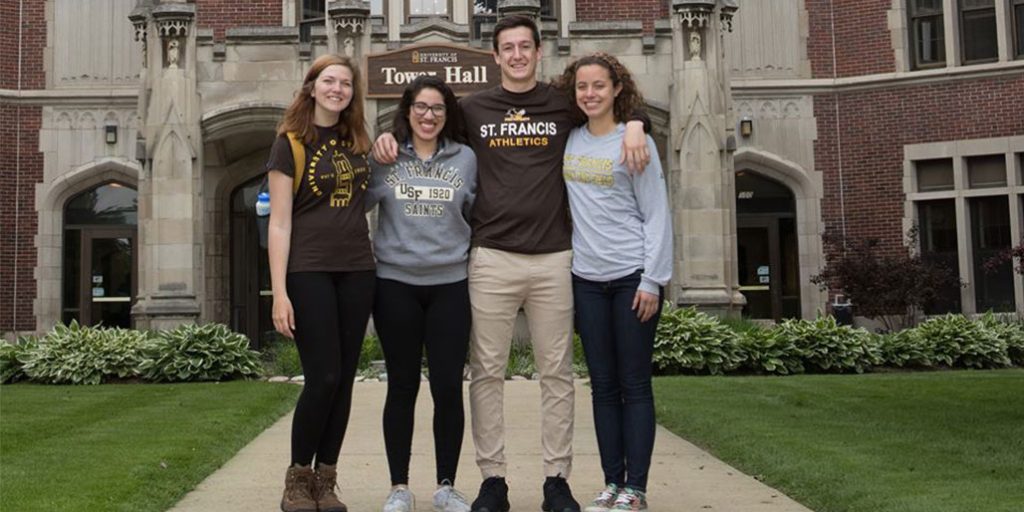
627 103
298 117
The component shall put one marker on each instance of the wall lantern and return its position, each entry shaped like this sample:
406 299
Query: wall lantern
110 133
746 127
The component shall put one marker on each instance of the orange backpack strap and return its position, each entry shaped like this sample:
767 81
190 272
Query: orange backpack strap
299 154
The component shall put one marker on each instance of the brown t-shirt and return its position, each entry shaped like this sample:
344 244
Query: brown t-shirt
329 231
519 140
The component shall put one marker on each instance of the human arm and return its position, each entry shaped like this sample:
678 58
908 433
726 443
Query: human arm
652 200
279 234
378 187
634 144
385 148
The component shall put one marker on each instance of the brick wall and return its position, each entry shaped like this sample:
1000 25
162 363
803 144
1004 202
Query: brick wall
22 29
875 125
223 14
21 171
618 10
863 41
24 19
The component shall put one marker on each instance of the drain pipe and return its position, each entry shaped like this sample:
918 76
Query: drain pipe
839 132
17 172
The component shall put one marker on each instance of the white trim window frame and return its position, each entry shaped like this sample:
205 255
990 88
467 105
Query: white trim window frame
1017 15
979 40
926 29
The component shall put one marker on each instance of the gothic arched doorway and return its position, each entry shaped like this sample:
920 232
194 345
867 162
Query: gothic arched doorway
100 255
767 252
251 296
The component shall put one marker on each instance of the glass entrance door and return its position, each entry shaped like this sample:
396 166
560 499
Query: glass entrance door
108 285
757 252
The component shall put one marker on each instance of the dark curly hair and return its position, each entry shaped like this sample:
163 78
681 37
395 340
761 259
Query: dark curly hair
453 117
627 103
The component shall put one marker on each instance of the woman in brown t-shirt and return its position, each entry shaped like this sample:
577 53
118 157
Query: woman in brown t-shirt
321 267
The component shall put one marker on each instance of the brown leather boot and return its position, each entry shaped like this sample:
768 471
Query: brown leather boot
326 482
299 490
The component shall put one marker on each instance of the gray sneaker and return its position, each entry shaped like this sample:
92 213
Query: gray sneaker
447 499
400 500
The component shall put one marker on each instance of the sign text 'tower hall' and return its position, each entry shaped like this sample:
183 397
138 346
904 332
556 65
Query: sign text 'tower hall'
466 70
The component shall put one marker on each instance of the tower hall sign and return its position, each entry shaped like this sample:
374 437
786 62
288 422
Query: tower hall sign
466 70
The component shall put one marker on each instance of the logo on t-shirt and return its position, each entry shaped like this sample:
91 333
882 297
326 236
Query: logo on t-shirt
517 131
339 178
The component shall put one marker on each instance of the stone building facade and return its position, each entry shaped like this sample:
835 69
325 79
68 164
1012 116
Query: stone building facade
136 131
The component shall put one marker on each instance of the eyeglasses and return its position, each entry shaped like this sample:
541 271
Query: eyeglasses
419 108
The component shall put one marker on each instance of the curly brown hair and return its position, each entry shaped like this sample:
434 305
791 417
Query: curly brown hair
351 123
627 103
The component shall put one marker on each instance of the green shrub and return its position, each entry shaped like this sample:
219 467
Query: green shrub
905 349
1011 333
520 361
75 354
579 358
13 357
826 346
689 340
766 351
198 353
958 341
370 351
281 357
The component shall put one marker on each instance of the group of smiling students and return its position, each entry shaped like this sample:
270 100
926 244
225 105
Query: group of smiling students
474 224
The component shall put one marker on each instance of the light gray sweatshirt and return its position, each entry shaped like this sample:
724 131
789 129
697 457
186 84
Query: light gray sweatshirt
620 222
422 235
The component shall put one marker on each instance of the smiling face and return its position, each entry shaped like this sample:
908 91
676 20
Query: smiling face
595 91
517 55
423 119
332 91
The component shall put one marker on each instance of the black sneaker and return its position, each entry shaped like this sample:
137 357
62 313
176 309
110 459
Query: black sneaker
558 497
493 496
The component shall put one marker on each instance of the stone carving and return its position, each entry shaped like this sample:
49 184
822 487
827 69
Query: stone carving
694 19
173 27
695 45
350 47
140 35
351 23
173 53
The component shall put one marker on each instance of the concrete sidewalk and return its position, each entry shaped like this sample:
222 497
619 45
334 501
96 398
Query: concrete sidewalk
683 477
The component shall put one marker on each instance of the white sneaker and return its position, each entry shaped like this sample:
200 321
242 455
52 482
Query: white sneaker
605 500
400 500
447 499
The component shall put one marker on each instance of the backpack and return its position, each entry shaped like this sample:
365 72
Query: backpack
299 156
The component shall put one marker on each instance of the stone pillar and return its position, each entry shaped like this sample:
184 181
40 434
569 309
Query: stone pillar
701 179
170 195
348 28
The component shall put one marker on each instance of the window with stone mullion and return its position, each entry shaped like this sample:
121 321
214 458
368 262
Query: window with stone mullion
1017 8
927 40
978 31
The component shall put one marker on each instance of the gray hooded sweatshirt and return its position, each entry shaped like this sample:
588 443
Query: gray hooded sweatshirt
422 235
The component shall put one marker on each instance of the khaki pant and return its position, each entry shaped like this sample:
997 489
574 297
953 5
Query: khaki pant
500 283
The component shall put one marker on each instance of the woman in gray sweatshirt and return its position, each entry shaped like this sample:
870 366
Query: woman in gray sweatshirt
622 259
422 298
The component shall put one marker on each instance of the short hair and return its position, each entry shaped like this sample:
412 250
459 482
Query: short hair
516 20
453 118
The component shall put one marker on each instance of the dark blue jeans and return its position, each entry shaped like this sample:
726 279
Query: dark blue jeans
618 348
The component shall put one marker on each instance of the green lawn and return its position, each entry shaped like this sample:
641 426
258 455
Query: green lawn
935 441
124 447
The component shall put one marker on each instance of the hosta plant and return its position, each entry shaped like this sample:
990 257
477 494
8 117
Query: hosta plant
958 341
691 341
199 353
12 358
76 354
826 346
768 352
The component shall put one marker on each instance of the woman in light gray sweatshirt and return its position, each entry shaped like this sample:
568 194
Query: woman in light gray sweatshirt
422 298
622 258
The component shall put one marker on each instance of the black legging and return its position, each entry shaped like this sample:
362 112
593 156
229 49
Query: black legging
409 318
331 311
